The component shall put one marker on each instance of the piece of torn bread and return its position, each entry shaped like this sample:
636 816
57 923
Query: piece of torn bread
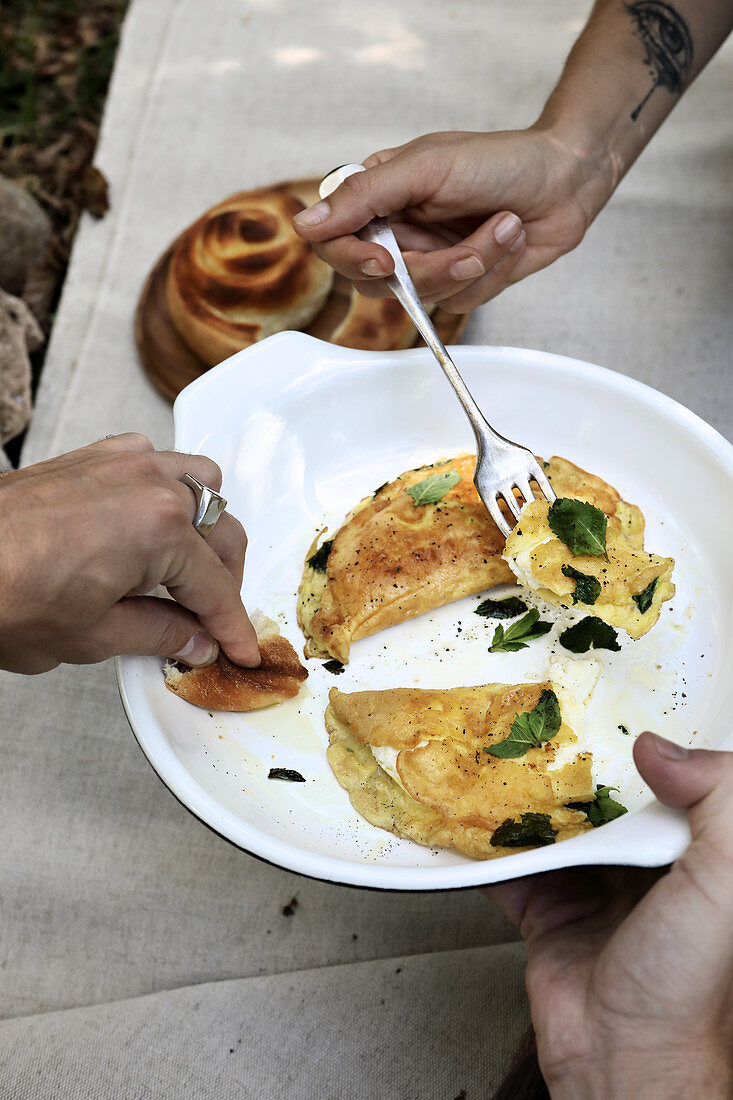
537 556
413 760
392 559
226 686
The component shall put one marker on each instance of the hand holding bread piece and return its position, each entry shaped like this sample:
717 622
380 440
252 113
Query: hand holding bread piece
87 538
226 686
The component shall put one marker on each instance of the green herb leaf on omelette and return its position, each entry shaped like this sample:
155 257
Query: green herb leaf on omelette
433 488
602 809
644 599
580 525
319 560
530 729
587 588
530 830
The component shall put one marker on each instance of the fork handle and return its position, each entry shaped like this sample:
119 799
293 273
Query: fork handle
379 231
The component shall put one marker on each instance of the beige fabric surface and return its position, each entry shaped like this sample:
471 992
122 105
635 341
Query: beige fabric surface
137 948
379 1029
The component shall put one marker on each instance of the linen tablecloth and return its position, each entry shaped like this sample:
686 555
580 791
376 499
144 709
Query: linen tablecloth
141 955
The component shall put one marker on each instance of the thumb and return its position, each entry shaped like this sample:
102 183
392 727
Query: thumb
697 780
690 911
154 627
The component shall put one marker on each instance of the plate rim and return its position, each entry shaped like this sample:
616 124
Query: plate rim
185 403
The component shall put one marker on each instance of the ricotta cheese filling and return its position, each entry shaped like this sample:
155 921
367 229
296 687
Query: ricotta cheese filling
574 682
521 562
386 757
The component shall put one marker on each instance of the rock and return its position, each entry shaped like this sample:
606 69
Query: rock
19 334
25 231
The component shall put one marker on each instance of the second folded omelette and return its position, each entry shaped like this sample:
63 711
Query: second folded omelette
485 769
418 542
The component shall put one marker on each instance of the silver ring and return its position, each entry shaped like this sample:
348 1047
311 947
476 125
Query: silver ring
209 506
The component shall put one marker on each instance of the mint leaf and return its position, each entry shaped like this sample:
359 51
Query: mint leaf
501 609
518 743
532 829
434 488
288 774
589 633
519 633
545 720
644 599
602 809
580 525
319 560
530 729
605 808
587 588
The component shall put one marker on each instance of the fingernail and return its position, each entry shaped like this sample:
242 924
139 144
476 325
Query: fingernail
373 267
669 749
507 229
199 650
469 268
313 215
519 243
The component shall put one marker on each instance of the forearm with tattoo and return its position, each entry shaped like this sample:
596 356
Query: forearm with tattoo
626 72
668 45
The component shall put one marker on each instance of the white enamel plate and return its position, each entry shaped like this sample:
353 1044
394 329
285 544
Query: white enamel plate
303 430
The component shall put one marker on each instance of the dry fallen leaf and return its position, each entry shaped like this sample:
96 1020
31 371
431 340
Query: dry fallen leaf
95 191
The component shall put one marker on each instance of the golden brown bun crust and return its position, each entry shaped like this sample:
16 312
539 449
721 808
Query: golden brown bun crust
374 324
241 273
226 686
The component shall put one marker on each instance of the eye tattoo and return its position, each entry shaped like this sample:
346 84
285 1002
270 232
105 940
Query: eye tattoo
668 46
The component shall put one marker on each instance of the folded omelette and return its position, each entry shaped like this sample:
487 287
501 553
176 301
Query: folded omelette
468 767
418 542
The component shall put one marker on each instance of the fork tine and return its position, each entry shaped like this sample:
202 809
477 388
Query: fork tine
511 502
525 489
498 516
539 476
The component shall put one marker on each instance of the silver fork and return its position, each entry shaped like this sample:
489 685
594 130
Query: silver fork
501 466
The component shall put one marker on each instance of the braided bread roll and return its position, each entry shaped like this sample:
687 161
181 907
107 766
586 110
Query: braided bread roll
376 324
240 273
